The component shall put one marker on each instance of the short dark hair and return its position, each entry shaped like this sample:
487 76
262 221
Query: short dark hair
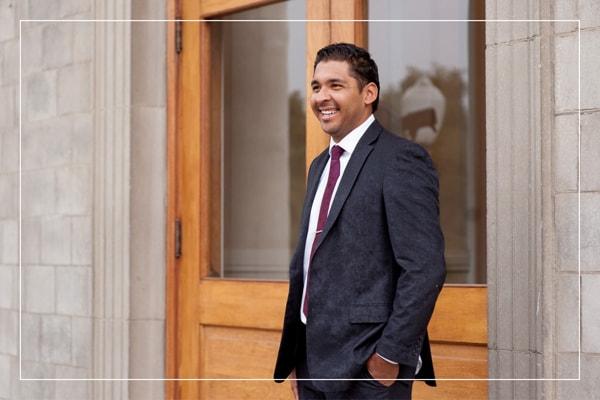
362 66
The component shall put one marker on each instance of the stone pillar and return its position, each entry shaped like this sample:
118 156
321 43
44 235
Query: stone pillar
537 175
148 199
518 70
112 65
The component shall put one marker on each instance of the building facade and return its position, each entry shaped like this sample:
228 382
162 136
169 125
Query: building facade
99 163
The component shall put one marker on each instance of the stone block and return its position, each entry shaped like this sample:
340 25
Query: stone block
148 217
590 234
10 66
10 151
565 9
146 355
589 385
37 389
74 291
74 89
141 9
589 12
565 152
39 101
74 7
72 390
146 390
10 241
82 342
567 323
83 44
566 217
567 365
9 28
81 249
9 195
9 286
31 334
5 376
82 138
9 111
56 339
590 323
566 72
57 46
590 59
590 152
46 145
149 63
9 332
38 195
44 9
30 241
31 48
56 241
511 30
74 188
38 289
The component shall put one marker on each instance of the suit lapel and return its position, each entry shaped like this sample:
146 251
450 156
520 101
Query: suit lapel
358 158
311 189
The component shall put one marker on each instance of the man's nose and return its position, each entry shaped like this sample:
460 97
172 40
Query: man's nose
322 95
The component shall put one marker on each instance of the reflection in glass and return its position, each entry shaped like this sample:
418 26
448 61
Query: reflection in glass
428 94
263 119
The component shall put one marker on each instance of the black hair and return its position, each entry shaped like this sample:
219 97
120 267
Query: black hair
362 66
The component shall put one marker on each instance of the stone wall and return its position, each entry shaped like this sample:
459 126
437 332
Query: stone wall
533 182
68 158
566 185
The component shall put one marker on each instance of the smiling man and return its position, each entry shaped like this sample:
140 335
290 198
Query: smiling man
369 264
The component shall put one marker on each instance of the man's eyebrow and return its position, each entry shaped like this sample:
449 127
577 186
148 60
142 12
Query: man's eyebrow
330 81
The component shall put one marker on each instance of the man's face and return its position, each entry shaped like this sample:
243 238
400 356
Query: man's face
337 100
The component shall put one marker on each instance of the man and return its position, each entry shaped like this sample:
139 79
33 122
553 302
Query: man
370 260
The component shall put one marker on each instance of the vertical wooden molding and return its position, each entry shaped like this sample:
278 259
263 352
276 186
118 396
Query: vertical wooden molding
318 35
171 277
112 75
188 198
350 31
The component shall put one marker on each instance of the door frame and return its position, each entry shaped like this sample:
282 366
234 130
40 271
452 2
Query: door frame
189 161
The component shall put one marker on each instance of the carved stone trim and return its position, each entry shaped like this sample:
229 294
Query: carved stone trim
112 76
520 217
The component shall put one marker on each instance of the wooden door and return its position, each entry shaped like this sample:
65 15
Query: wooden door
230 328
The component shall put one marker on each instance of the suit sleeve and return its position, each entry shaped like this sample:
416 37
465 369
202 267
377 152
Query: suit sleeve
410 194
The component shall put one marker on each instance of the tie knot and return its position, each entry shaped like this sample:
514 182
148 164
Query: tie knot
336 152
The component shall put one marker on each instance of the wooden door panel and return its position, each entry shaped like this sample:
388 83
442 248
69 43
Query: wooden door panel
240 303
231 328
238 352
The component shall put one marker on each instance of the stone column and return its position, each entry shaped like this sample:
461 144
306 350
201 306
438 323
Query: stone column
541 185
518 73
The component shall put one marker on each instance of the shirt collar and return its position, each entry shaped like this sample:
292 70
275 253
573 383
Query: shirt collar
349 142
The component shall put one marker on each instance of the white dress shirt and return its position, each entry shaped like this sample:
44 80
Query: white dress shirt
348 143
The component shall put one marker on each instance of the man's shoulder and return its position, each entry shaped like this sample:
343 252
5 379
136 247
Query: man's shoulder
394 144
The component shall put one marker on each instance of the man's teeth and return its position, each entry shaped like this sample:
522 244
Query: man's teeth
329 112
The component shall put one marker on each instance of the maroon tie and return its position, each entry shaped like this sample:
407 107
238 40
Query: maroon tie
334 174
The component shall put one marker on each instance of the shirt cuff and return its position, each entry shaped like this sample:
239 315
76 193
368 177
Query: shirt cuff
385 359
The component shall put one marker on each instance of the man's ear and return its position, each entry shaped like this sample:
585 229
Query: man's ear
370 92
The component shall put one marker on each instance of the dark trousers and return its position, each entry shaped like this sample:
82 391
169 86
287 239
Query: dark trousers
366 389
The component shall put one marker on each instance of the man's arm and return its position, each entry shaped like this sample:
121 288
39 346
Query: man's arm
410 193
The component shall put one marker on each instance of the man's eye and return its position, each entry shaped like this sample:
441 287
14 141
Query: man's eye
315 89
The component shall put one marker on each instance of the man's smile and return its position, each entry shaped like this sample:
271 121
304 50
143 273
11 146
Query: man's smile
327 114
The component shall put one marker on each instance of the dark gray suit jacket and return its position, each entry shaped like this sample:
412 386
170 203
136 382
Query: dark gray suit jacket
378 267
